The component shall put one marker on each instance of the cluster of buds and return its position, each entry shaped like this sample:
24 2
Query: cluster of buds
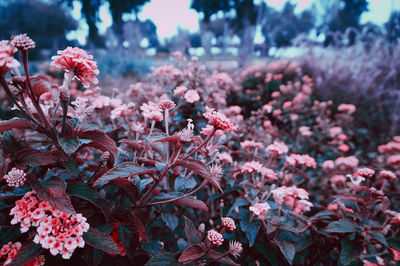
15 177
57 231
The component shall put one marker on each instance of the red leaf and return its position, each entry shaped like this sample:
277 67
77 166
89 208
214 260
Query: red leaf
101 141
33 158
15 123
193 252
200 168
193 203
171 139
139 226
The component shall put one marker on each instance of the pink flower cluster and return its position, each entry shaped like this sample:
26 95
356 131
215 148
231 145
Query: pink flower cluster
303 159
79 62
9 250
215 238
251 144
278 148
260 209
256 167
218 120
152 111
15 177
7 60
296 198
57 231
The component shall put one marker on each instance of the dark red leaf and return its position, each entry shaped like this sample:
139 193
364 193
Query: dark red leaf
33 158
139 226
217 256
191 232
15 123
137 145
193 203
200 168
193 252
53 191
101 141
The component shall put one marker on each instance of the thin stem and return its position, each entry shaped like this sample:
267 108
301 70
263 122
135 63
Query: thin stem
201 145
181 197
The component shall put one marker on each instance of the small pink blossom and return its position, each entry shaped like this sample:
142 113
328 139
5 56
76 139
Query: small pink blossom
152 111
180 90
218 120
191 96
365 172
235 248
388 174
79 62
336 179
225 157
260 209
350 108
250 167
278 148
251 143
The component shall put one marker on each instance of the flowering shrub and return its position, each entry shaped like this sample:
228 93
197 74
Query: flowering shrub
188 166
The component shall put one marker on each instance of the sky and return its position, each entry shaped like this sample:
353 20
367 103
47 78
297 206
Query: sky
169 15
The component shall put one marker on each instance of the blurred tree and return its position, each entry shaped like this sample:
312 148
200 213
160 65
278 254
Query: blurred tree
90 10
46 23
348 15
393 27
247 14
280 28
149 30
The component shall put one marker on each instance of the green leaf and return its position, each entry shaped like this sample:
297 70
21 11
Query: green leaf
162 259
250 228
288 249
345 253
341 226
381 238
16 192
100 240
170 220
182 183
192 234
121 170
69 145
83 191
143 183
